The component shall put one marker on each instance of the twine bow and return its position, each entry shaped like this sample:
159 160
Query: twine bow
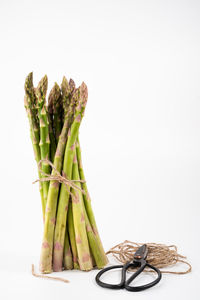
56 176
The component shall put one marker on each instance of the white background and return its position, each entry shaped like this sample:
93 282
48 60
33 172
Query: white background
140 134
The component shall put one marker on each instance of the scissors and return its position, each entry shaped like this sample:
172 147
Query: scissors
139 260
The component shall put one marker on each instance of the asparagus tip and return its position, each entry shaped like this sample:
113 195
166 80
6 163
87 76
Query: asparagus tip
54 94
29 83
83 93
72 85
65 86
42 87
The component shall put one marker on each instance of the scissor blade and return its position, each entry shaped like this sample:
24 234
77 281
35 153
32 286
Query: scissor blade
141 252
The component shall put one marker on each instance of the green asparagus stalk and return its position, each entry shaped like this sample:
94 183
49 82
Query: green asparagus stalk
44 130
84 255
70 226
30 106
59 236
69 102
67 258
91 227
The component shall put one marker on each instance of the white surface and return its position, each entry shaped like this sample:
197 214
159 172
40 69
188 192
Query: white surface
140 135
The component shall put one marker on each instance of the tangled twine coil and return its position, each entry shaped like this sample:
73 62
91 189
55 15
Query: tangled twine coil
159 255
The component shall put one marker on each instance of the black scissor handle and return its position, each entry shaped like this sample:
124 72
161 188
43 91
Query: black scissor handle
108 285
140 287
125 283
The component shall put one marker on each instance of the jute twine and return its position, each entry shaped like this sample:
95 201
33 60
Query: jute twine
47 277
159 255
69 183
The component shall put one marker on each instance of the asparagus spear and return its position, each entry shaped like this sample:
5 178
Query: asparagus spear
69 102
67 257
84 255
44 130
30 106
67 171
91 227
54 94
70 225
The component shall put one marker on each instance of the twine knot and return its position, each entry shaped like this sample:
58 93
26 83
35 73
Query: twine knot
56 176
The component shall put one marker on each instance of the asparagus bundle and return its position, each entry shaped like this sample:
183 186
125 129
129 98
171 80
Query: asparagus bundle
70 238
